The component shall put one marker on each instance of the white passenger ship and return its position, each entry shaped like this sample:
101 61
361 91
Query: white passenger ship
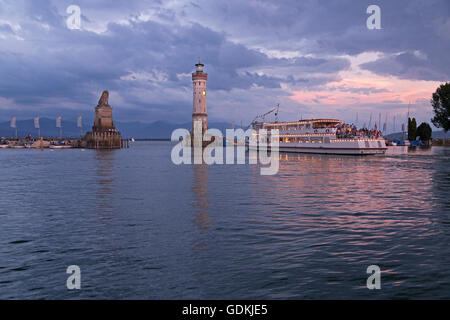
328 136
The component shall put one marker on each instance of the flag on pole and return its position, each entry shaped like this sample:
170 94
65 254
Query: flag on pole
13 122
36 123
79 122
58 122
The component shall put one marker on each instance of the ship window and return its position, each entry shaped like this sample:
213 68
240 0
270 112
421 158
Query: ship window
304 140
379 144
367 144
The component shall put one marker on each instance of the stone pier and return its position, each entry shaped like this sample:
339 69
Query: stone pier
104 134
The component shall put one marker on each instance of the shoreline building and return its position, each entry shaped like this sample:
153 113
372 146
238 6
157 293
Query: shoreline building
104 134
199 113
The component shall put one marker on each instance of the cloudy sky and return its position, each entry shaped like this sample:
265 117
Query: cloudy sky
315 58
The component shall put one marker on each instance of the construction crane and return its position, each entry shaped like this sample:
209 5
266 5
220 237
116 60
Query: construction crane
263 116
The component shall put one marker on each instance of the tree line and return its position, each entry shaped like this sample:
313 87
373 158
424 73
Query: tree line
440 102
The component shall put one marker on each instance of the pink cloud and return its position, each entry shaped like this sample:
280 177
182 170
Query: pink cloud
366 90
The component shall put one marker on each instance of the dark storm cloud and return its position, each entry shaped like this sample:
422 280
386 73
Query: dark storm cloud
43 11
76 65
6 28
410 66
338 27
145 50
361 90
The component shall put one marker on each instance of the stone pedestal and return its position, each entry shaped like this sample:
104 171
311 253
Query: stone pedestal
104 134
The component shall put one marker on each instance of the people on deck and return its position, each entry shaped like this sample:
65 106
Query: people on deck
345 130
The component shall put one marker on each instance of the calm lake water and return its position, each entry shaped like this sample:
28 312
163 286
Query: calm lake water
140 227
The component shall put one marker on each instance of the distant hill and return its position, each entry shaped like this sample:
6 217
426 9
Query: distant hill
159 129
48 128
138 130
441 135
435 135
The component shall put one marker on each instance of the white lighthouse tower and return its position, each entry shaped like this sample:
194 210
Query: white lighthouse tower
199 103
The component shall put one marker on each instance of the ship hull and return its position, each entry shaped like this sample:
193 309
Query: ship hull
355 147
337 151
340 151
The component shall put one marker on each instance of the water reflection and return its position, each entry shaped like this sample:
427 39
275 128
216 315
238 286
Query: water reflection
348 188
104 170
201 204
308 232
441 183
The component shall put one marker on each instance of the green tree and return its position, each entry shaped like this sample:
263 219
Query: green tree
412 128
424 131
441 107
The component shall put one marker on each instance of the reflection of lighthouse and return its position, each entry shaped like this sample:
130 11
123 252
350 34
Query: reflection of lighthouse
201 205
199 104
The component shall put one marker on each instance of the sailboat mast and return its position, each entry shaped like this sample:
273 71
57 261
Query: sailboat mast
393 124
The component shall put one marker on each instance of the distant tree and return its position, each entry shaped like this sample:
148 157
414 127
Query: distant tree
424 131
441 107
412 128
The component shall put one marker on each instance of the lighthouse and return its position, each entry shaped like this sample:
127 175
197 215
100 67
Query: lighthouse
199 115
